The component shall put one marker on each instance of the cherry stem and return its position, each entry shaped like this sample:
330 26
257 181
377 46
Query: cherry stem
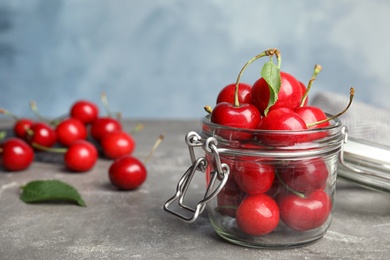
156 144
299 194
3 134
351 96
137 128
270 53
317 69
34 109
53 122
103 98
49 149
208 109
7 113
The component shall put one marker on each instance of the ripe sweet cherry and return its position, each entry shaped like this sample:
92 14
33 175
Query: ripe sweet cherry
116 144
305 213
127 173
227 94
15 154
80 156
289 95
85 111
258 215
104 125
70 130
42 134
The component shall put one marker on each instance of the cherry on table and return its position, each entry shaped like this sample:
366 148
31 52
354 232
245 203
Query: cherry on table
103 125
70 130
21 127
116 144
80 156
16 154
42 134
257 215
127 173
85 111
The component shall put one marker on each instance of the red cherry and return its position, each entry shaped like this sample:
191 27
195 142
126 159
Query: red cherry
42 134
228 92
245 116
312 114
70 130
16 154
289 95
127 173
80 156
283 119
304 175
305 213
117 143
85 111
257 215
21 127
254 177
104 125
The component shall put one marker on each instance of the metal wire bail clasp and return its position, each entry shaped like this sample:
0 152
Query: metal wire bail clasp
187 213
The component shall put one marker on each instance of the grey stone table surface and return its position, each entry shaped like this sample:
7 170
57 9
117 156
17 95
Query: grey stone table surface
133 225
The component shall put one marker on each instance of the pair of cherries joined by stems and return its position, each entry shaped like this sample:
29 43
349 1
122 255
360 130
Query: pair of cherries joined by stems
80 135
260 194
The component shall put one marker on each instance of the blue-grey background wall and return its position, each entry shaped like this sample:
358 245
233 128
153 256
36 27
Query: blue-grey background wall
169 58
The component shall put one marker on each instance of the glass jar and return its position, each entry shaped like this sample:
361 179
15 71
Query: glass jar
264 189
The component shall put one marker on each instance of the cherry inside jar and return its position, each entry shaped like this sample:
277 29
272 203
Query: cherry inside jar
280 189
264 189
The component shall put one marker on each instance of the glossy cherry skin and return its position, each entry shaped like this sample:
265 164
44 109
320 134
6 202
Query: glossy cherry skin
104 125
257 215
312 114
85 111
42 134
227 94
127 173
280 120
304 176
245 116
289 96
70 130
254 177
21 127
305 213
80 156
16 154
116 144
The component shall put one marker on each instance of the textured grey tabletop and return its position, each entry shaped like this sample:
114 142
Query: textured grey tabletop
132 225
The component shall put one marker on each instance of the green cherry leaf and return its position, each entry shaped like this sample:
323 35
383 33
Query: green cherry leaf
271 74
50 191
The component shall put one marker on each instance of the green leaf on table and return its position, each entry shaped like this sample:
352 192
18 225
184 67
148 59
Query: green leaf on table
50 191
271 74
